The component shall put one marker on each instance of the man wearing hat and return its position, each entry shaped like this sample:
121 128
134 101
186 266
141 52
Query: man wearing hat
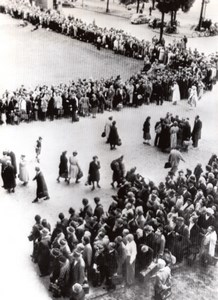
43 253
180 239
77 292
41 189
206 219
77 268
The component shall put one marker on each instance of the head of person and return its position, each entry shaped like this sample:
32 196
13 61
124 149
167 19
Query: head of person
75 153
161 264
61 216
37 169
97 200
180 221
95 158
37 218
114 123
139 233
85 201
130 238
77 288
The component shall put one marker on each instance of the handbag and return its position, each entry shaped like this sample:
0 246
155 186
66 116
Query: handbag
167 165
103 134
117 279
119 143
80 174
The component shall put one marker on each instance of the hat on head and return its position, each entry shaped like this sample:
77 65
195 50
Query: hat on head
44 232
79 248
70 229
55 252
210 211
76 254
75 153
77 288
63 242
62 259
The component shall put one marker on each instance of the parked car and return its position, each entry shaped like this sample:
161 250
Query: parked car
139 19
68 3
155 23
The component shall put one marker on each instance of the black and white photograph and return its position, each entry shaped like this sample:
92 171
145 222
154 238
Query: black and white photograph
109 149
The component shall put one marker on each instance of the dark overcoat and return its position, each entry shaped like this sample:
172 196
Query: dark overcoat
41 189
9 177
94 174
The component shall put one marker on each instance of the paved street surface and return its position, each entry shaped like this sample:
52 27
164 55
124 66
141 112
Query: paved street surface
41 56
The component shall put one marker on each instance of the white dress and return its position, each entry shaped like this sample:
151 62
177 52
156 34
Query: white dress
23 172
74 167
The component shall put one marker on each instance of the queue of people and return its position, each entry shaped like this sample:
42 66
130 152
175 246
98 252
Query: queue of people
170 73
174 222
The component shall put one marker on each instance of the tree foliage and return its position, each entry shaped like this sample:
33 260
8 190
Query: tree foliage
186 5
167 6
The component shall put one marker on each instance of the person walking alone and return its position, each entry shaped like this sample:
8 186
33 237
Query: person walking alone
146 131
94 173
63 167
41 187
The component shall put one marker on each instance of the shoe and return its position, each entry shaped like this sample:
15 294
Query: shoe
13 190
112 185
46 198
35 201
98 186
93 188
58 180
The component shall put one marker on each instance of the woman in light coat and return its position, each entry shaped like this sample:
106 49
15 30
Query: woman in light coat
23 172
176 93
74 167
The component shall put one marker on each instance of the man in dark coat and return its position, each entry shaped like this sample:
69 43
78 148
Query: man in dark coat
94 174
41 190
9 177
113 138
43 253
110 265
99 210
118 168
77 269
63 167
196 132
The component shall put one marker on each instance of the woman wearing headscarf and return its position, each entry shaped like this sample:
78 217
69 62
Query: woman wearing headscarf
63 167
23 172
146 131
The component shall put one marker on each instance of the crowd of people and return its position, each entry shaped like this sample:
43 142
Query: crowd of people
145 225
174 132
170 73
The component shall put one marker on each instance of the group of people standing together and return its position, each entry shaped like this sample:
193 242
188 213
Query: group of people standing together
145 226
173 132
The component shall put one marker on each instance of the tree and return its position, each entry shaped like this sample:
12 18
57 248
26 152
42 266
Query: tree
164 6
